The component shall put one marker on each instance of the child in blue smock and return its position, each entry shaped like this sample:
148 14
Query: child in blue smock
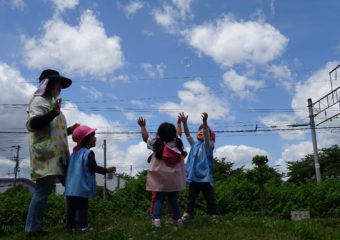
81 179
199 167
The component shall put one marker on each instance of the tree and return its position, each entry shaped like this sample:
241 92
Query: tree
223 169
261 174
304 170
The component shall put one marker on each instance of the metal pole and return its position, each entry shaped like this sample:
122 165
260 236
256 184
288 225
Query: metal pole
104 192
16 168
315 146
130 170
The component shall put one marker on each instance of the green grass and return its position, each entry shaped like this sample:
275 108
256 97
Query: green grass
203 227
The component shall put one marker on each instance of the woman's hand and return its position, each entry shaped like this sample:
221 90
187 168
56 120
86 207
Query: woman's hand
111 169
57 105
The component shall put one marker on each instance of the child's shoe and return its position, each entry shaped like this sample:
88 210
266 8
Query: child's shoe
86 229
178 223
156 222
186 216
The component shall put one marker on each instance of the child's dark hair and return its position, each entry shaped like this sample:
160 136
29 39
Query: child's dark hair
166 133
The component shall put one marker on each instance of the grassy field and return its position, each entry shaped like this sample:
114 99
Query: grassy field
225 228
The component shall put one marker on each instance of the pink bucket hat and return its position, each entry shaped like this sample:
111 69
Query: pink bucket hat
79 134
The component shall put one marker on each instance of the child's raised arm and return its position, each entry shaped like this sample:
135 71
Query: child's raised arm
142 123
178 128
206 132
184 120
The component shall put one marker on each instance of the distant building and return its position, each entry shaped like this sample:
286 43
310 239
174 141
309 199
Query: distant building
7 183
113 183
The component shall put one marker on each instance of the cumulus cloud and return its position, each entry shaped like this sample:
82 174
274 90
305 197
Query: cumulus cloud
172 16
156 71
230 42
133 7
241 85
135 156
195 99
65 4
293 153
19 4
284 121
14 90
92 92
315 87
75 49
239 155
283 74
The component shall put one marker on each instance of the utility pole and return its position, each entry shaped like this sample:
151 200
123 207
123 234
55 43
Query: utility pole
104 192
131 170
315 145
16 159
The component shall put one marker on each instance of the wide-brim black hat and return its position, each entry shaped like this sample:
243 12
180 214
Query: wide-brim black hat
53 74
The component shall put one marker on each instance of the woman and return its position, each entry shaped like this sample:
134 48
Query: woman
47 143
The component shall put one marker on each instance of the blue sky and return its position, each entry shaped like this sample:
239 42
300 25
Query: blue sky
246 63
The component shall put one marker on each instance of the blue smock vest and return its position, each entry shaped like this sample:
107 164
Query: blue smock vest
80 180
200 164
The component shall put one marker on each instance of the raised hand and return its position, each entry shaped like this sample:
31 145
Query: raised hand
204 117
141 122
183 118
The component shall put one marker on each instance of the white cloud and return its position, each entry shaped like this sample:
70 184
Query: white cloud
75 49
314 87
173 16
241 85
184 7
134 156
65 4
282 121
293 153
14 90
156 71
133 7
239 155
92 92
130 116
137 102
147 33
19 4
230 42
195 99
283 74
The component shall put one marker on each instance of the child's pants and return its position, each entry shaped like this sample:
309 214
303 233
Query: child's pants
208 192
172 201
74 205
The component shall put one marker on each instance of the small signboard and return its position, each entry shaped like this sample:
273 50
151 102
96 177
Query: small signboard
299 215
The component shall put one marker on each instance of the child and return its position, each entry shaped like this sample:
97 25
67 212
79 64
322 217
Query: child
166 173
145 136
80 178
199 167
